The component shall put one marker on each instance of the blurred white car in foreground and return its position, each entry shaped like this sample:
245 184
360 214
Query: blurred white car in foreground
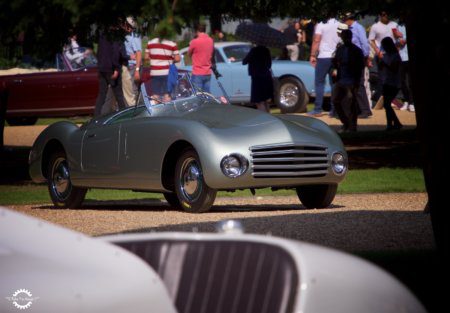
47 268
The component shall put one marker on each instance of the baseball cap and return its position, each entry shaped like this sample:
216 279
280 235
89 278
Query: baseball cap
348 16
341 27
131 21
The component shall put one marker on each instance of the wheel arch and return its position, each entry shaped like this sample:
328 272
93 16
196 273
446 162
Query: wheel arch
288 75
170 161
51 147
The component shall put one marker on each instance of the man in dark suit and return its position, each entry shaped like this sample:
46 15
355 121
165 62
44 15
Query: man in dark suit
349 63
111 54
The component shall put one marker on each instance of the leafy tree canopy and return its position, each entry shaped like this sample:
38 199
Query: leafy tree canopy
42 26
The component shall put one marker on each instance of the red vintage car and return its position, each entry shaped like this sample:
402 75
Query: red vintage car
69 90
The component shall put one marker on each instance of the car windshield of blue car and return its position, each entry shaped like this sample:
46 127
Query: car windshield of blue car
236 53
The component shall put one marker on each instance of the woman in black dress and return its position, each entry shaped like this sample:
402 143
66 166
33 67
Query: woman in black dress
259 68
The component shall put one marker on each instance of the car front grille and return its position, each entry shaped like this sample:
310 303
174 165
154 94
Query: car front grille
289 160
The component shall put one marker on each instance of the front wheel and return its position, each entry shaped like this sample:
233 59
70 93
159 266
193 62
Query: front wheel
172 200
62 192
190 187
291 96
316 196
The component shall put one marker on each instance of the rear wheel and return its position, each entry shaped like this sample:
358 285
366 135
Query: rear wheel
316 196
191 189
62 192
291 96
22 121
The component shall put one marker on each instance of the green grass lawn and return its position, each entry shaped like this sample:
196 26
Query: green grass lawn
357 181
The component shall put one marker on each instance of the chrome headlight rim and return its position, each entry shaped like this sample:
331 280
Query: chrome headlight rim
339 163
226 161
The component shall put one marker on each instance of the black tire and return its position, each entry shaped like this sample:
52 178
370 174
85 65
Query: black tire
291 96
190 187
22 121
316 196
62 192
172 199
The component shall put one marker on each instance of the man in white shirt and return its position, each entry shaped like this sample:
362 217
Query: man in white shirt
324 44
380 30
404 69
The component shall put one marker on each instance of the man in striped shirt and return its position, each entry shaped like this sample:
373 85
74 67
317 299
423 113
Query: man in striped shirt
162 53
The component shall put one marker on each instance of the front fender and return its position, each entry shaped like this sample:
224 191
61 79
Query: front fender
55 136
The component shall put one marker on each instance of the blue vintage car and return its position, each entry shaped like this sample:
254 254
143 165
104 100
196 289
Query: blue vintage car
295 80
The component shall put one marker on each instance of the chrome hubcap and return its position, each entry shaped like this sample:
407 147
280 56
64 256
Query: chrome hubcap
289 94
191 179
61 179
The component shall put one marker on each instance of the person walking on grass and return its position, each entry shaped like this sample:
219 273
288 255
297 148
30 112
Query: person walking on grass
359 38
389 67
110 57
349 63
323 46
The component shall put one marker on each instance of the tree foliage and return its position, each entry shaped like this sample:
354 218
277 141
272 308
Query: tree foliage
42 26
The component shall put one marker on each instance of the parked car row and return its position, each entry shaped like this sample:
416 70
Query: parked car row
71 90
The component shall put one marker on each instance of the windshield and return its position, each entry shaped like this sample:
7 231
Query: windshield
236 53
185 96
76 58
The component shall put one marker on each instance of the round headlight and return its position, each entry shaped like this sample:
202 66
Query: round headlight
234 165
338 163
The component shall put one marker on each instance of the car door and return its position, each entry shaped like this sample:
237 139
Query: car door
100 154
86 81
42 94
238 74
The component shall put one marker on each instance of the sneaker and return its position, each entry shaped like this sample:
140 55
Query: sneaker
314 113
404 106
411 108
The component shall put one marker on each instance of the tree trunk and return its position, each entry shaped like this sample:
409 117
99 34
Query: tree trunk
430 71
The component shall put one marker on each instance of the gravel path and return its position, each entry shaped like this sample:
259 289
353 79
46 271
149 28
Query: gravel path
354 222
363 222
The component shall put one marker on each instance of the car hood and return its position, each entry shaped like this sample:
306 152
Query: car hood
225 116
249 124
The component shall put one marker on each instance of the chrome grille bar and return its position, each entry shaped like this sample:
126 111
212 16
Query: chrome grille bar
289 160
276 152
297 159
290 166
289 174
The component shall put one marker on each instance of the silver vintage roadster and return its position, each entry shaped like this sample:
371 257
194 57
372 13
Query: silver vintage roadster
189 148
